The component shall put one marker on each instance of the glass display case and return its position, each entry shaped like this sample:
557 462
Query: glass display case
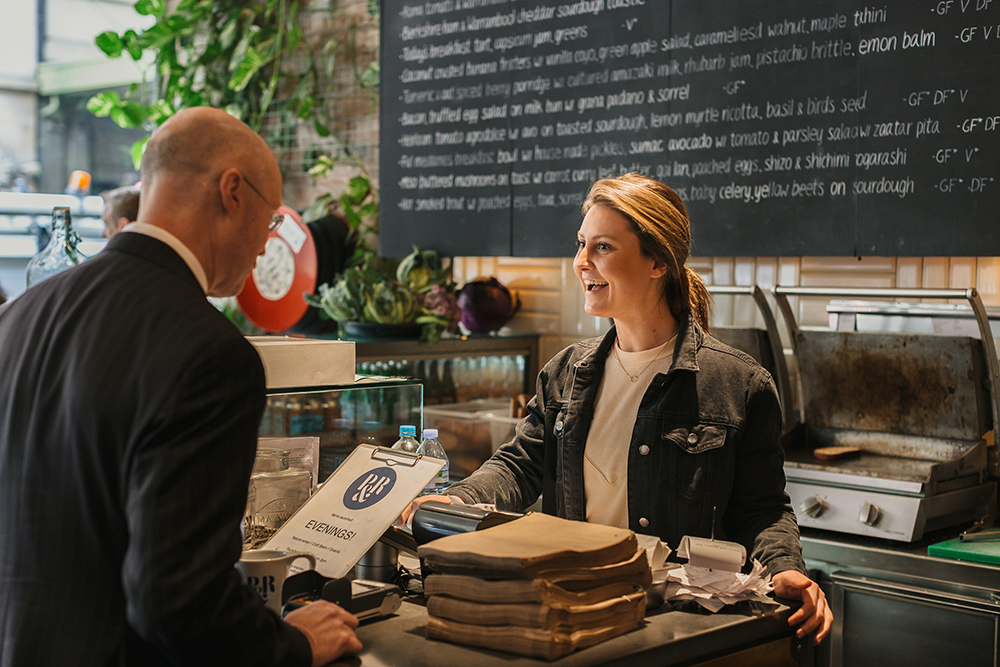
457 369
370 410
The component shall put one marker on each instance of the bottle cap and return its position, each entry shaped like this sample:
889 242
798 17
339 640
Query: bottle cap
431 433
408 429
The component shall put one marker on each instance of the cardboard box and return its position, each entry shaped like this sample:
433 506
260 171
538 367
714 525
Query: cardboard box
304 362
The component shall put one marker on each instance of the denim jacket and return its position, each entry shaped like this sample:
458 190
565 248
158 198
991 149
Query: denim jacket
705 445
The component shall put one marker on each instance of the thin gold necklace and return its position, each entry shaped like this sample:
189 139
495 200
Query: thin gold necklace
635 378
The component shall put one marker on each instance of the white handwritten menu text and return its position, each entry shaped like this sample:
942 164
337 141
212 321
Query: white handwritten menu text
789 127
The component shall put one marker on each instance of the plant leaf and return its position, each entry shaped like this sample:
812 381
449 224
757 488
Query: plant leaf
159 111
319 208
267 49
131 40
235 110
128 115
294 38
321 129
109 42
357 189
150 7
239 53
227 36
138 148
102 104
329 56
308 102
322 167
352 217
370 77
249 66
156 36
268 95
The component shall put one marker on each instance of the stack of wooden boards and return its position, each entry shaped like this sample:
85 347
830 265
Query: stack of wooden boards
537 586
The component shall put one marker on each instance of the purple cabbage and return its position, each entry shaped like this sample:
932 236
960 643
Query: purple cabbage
486 305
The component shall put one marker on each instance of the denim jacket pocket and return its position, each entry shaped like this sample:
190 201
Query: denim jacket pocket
695 439
695 458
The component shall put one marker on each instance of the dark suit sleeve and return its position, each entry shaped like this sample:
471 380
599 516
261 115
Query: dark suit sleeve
186 490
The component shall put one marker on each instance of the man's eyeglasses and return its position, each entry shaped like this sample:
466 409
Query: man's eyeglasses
276 218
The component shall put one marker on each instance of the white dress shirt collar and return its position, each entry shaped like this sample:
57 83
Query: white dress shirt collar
161 234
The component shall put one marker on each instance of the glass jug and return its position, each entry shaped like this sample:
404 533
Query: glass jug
60 254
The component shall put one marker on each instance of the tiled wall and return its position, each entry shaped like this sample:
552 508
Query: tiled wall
552 302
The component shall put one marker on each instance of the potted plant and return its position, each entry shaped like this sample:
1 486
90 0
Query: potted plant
380 297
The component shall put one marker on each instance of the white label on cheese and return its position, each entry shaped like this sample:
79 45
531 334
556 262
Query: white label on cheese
292 233
275 270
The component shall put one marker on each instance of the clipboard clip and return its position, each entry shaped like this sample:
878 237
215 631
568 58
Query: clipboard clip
393 457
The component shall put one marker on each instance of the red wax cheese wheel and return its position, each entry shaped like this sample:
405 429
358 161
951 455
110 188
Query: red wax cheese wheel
272 297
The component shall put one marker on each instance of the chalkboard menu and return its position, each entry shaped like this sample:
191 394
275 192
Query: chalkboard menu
789 127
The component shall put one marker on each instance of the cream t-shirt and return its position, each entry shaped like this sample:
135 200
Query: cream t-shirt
605 460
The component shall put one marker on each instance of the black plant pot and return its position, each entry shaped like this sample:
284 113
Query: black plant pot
376 330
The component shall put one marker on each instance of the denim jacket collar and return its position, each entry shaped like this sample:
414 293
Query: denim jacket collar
689 338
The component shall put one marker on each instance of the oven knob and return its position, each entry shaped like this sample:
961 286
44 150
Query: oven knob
813 506
870 514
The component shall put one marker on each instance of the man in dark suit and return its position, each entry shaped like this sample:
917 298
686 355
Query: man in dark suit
129 409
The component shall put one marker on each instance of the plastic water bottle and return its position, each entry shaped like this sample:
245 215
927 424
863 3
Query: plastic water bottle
407 439
431 447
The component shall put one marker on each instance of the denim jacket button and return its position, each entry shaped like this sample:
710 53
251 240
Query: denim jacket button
644 450
692 437
644 522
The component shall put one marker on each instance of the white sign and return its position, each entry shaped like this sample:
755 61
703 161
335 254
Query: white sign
354 507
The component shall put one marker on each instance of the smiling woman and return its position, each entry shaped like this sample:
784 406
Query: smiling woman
679 434
641 238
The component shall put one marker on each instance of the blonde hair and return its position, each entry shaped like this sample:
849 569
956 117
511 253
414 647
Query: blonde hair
659 218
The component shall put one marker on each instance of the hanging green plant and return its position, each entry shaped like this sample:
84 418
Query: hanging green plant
221 53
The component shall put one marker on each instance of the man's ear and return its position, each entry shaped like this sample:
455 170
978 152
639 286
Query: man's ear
229 190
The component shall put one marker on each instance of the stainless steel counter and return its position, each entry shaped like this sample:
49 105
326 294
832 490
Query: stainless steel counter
895 604
901 558
669 638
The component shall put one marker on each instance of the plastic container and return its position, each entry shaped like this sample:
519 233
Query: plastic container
470 432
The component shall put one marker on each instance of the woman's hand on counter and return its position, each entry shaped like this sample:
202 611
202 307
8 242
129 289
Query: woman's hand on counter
405 519
329 629
814 615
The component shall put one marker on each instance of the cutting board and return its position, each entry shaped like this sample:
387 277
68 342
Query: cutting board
979 551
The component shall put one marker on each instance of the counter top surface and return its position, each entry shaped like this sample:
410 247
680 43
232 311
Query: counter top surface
671 637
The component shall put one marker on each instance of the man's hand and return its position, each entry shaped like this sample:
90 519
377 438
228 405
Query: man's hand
814 614
405 519
329 629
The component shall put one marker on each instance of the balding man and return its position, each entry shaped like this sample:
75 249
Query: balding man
129 411
121 207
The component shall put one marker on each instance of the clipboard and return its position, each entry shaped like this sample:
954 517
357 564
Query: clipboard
354 507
